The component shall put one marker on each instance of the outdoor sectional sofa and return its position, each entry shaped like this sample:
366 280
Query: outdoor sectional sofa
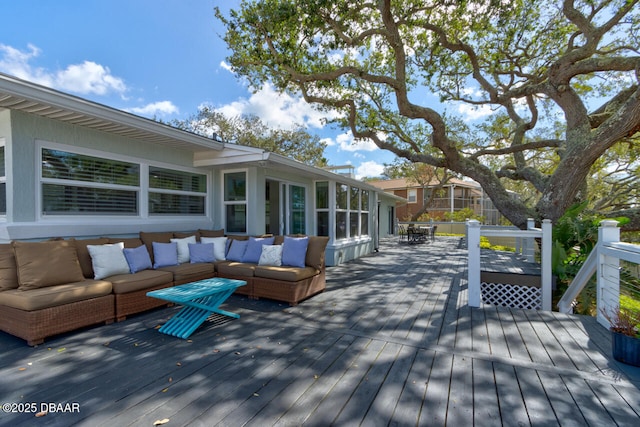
51 287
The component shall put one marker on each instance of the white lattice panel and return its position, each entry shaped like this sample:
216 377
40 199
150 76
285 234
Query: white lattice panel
515 296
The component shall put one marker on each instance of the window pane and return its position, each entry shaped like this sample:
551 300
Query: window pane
177 180
364 200
235 187
297 209
364 224
354 201
341 196
71 200
353 224
341 225
236 219
77 167
322 195
163 203
322 223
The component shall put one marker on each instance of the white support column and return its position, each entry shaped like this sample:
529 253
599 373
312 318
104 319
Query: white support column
473 266
529 248
547 290
608 273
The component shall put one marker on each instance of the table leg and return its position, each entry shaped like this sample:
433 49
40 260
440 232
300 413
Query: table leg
194 313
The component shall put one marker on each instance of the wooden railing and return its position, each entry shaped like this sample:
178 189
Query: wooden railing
605 261
474 231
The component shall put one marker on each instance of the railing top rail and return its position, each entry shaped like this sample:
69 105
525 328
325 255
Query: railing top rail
510 233
626 251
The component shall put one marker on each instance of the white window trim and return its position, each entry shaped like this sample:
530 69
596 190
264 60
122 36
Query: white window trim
3 180
142 189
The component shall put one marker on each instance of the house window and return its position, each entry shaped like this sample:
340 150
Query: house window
174 192
342 205
77 184
364 213
297 204
412 195
322 208
3 181
352 212
235 202
84 184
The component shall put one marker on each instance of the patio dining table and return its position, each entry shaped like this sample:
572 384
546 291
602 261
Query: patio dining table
419 234
199 300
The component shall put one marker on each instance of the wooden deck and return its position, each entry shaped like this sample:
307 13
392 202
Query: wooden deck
391 341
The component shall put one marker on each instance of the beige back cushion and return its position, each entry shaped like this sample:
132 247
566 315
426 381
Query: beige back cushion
315 251
50 263
211 233
160 237
83 254
8 271
129 242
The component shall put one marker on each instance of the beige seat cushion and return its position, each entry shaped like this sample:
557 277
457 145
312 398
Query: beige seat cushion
53 296
8 270
145 279
285 274
184 272
49 263
236 269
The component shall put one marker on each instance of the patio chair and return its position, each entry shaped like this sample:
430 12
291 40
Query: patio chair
402 232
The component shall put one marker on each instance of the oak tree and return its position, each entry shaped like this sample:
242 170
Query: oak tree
560 80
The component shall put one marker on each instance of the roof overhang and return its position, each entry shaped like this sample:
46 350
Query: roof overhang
21 95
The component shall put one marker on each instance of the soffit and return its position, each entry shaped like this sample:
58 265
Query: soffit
19 95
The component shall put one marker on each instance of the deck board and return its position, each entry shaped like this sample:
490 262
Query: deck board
392 341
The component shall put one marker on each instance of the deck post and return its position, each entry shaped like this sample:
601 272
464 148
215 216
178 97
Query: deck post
473 266
546 265
608 294
529 248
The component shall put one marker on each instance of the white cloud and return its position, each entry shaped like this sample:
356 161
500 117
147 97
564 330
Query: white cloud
474 112
89 78
156 108
275 109
346 142
226 66
85 78
370 168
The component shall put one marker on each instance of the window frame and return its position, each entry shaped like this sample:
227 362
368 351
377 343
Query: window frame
226 203
142 190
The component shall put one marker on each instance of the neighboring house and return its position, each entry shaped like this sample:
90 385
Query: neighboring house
74 168
455 195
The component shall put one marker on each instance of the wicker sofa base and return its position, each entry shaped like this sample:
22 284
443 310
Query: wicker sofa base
290 292
35 326
138 301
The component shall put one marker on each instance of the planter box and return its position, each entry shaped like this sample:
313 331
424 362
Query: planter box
625 349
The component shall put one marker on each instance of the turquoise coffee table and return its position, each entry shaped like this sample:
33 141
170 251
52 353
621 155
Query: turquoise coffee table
200 299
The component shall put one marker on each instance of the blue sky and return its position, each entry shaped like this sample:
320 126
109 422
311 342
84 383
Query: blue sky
161 58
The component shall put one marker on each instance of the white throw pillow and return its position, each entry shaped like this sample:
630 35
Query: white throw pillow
108 260
183 248
219 246
271 255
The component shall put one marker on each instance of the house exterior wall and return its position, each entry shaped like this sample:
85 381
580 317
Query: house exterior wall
25 133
